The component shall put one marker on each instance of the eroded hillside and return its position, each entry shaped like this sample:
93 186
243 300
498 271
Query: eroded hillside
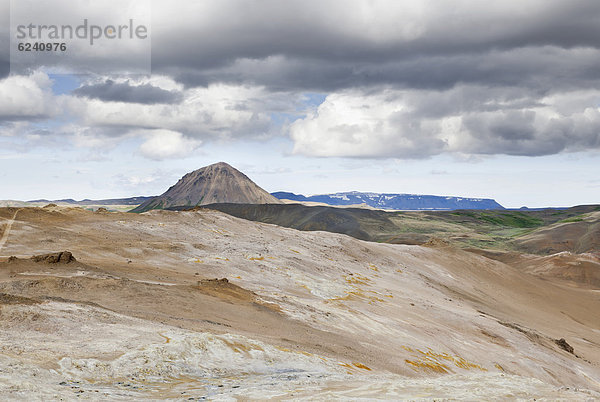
199 303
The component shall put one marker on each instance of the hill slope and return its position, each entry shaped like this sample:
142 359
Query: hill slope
216 183
360 223
578 234
201 303
412 202
539 232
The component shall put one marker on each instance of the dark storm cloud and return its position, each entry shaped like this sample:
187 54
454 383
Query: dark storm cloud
4 67
541 69
4 38
331 45
111 91
517 133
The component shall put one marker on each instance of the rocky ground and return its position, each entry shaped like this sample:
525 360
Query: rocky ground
192 305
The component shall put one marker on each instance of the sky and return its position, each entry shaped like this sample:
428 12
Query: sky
464 98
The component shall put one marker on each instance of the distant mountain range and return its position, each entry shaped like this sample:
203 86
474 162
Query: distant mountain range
411 202
112 201
221 183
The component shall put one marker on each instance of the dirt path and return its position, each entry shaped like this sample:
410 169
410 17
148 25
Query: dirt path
7 229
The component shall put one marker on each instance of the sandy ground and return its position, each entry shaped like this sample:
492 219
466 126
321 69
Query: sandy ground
6 230
303 315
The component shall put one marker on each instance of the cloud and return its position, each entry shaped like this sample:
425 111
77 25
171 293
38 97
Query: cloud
112 91
27 97
404 79
361 125
98 124
555 125
423 123
408 44
166 144
265 170
4 38
122 54
328 46
218 112
144 181
408 79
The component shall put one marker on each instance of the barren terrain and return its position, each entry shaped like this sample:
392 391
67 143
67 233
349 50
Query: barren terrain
201 304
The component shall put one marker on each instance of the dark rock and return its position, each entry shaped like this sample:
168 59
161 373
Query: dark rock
12 299
562 343
213 282
64 257
436 242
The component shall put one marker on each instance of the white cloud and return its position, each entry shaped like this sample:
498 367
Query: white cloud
215 112
359 125
463 120
27 97
13 128
86 137
167 144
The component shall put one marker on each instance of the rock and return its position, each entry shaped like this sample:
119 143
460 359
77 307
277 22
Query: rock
436 242
216 281
64 257
50 206
562 343
101 210
12 258
12 299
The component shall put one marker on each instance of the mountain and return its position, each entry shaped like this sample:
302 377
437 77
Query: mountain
217 183
410 202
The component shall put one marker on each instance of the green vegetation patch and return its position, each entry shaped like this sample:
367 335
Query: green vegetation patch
507 219
572 219
512 219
